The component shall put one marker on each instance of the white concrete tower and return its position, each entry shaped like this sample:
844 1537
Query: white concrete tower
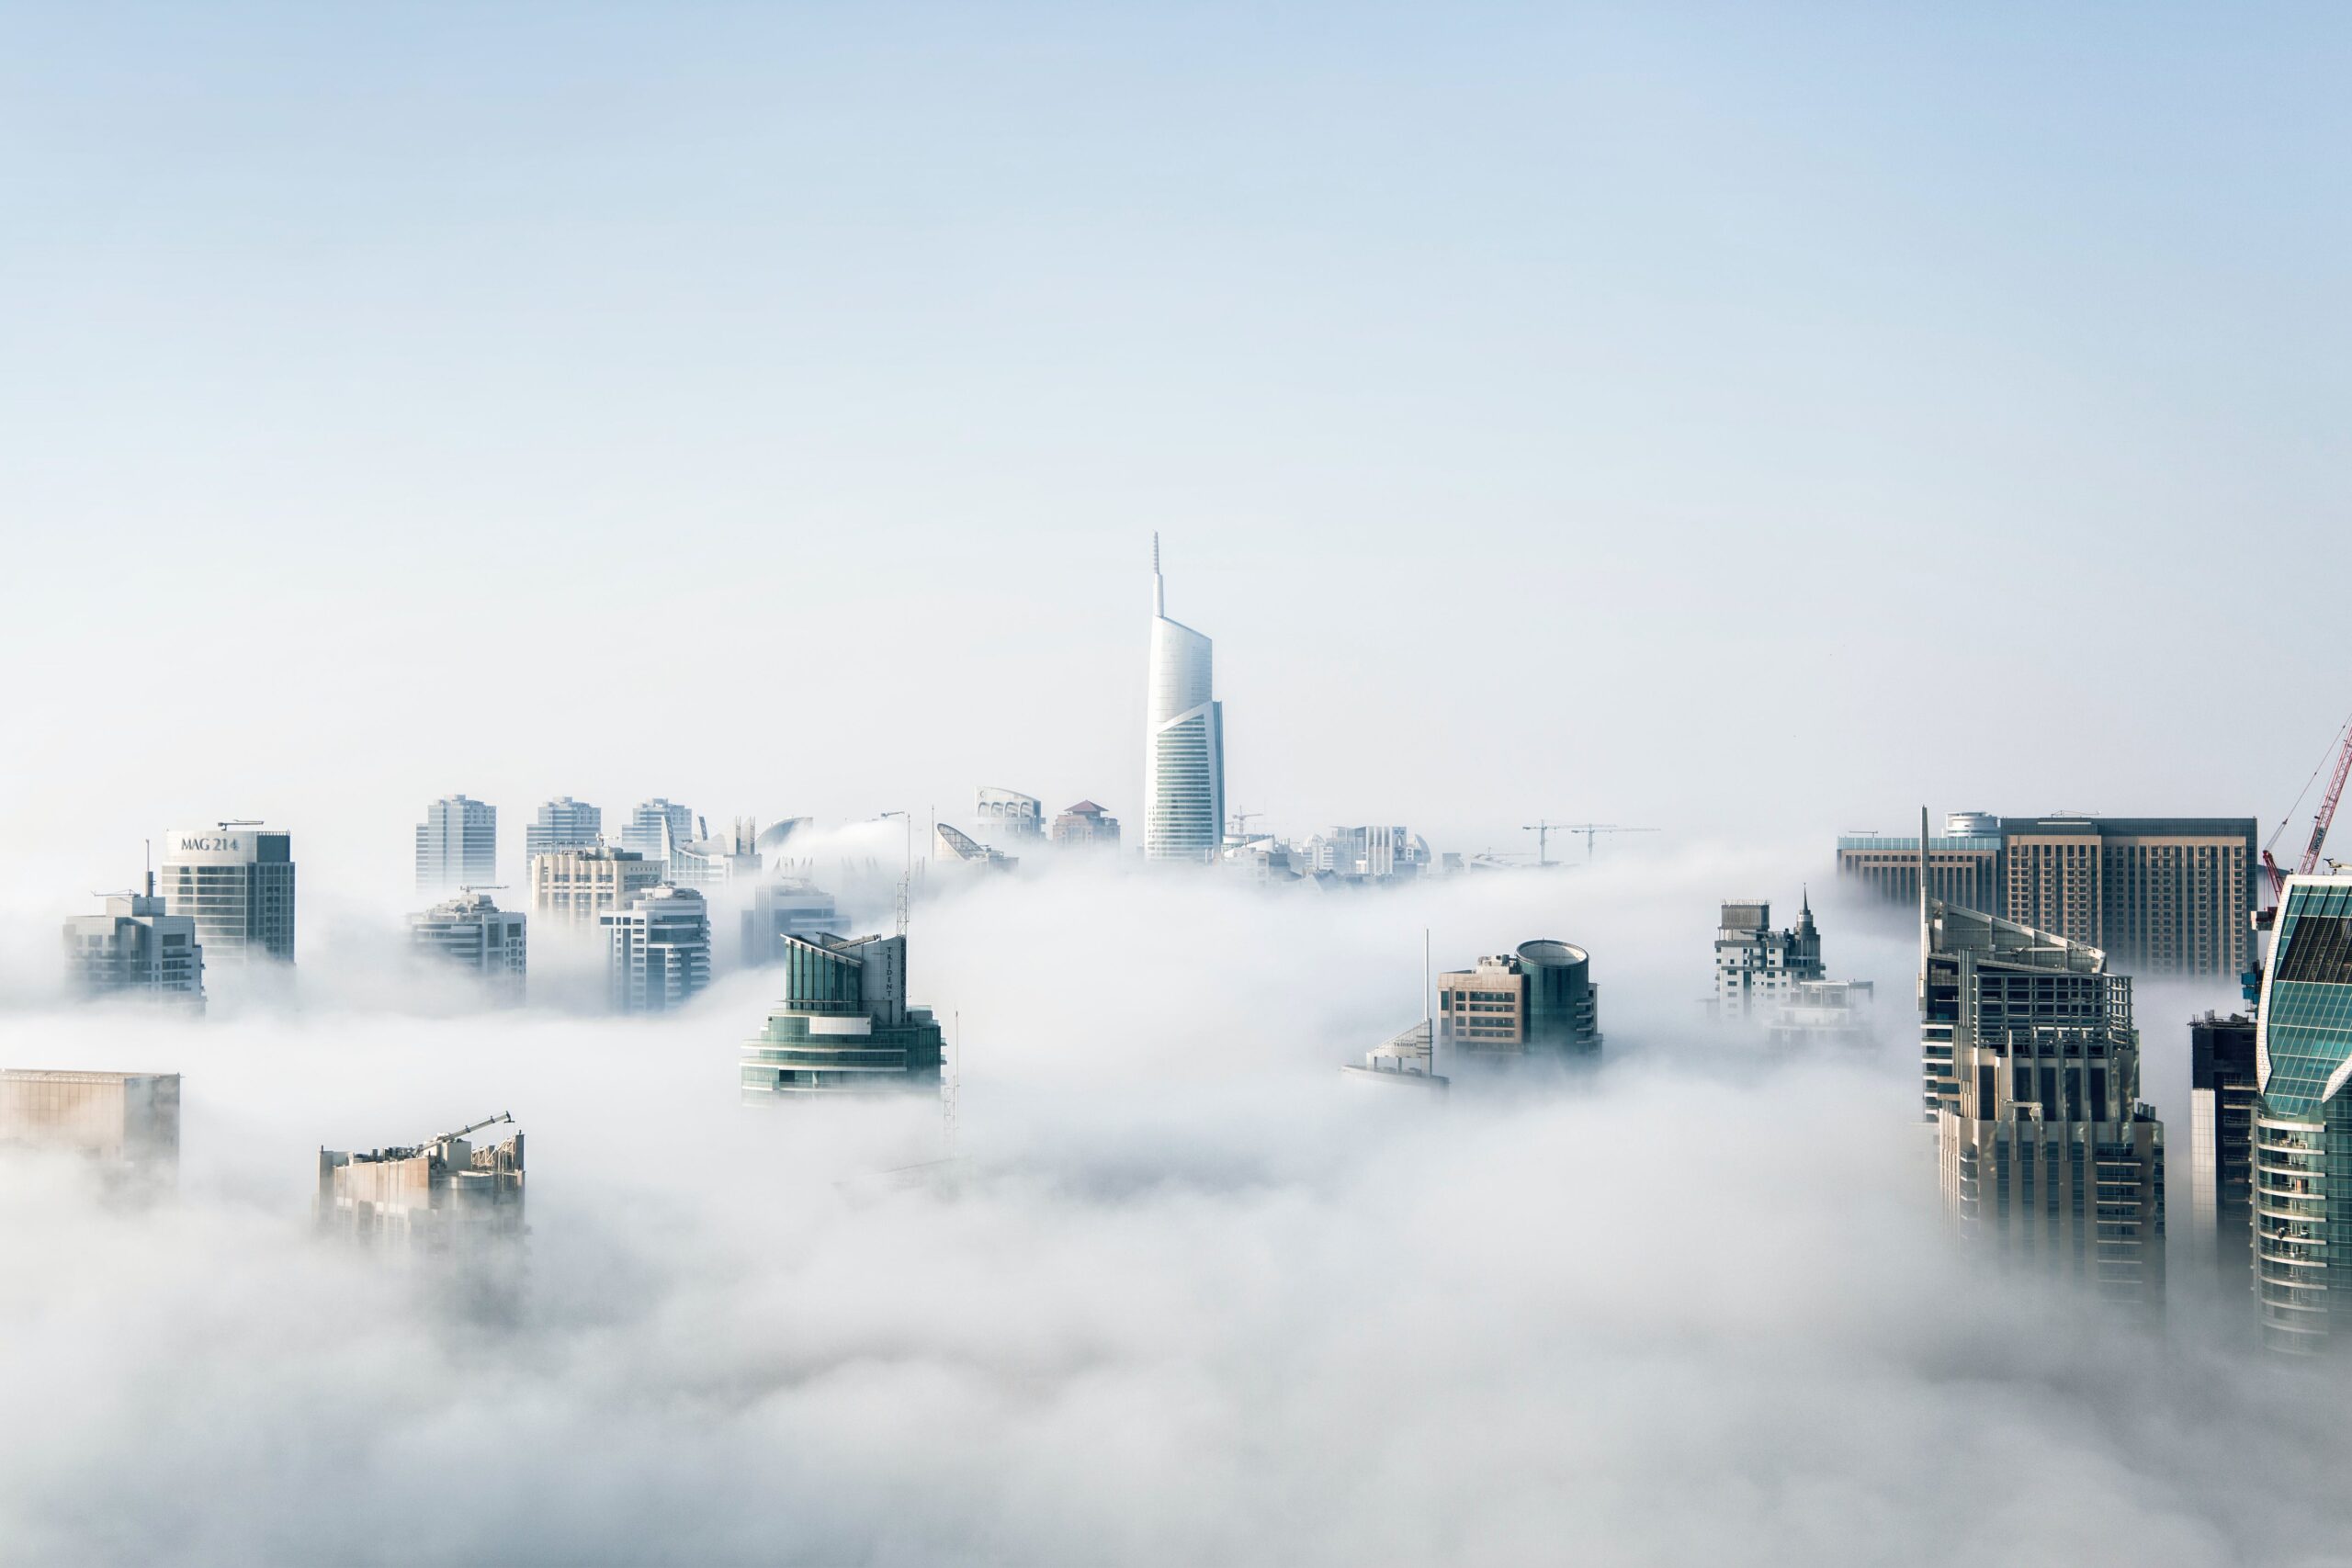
1183 759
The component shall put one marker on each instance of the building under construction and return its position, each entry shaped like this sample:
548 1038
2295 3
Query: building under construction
441 1195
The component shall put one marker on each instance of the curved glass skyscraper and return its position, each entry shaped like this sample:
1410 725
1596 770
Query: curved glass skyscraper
1183 759
2303 1122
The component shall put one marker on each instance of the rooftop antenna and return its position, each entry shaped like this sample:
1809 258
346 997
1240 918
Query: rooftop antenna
1159 586
904 881
948 1107
150 860
1428 1022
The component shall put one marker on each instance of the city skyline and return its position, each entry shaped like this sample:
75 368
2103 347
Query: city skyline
1012 1079
1670 371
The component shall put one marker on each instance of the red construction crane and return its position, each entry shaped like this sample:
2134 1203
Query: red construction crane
2310 862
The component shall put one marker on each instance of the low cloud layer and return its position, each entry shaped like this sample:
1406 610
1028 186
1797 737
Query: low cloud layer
1186 1298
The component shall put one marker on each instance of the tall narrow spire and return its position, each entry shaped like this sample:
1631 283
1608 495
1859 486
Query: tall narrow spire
1158 584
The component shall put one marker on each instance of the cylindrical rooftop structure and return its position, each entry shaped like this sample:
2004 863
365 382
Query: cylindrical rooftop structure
1562 1010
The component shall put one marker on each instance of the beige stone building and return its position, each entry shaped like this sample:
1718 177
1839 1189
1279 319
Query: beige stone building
574 887
126 1119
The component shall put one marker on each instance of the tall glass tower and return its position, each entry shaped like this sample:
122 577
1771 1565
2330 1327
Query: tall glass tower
2302 1122
1184 757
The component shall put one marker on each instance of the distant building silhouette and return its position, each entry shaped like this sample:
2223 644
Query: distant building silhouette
1087 825
456 846
472 932
563 823
1184 769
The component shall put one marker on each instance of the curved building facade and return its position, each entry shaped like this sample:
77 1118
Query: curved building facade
1563 1006
1183 761
2302 1122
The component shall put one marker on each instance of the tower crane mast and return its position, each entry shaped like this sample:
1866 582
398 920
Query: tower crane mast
2320 822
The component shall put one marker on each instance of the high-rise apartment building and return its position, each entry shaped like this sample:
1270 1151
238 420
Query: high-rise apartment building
127 1122
1087 825
441 1196
1758 968
658 957
1964 865
786 908
563 823
473 933
2159 896
1183 763
655 826
135 948
2045 1152
1537 1003
844 1026
571 888
2302 1122
1008 818
2221 1096
456 846
236 881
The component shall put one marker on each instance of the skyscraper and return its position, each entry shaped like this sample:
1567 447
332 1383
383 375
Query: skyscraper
1088 825
456 846
571 888
135 947
1183 763
2302 1122
656 825
563 823
1537 1003
660 954
2221 1096
2044 1150
788 908
844 1026
2158 894
474 933
1756 967
236 881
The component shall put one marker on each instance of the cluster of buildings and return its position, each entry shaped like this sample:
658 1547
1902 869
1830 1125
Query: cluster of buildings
443 1195
2030 1067
1777 978
223 895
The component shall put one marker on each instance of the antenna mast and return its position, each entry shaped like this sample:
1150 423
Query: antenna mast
949 1109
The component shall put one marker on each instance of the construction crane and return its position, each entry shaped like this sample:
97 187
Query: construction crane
1242 822
488 1121
1591 830
2320 821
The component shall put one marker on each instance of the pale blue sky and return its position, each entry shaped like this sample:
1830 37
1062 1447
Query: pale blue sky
1625 411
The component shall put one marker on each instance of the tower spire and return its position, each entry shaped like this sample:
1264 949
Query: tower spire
1158 584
